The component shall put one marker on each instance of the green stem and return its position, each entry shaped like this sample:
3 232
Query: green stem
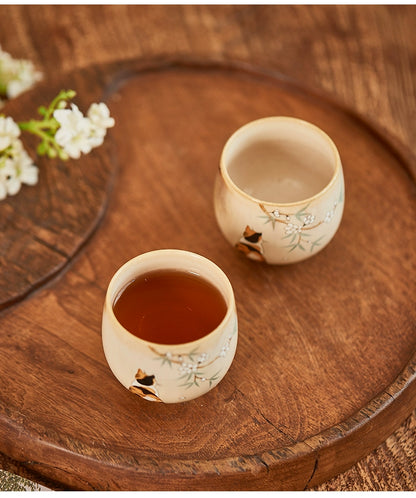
42 135
62 95
3 89
33 125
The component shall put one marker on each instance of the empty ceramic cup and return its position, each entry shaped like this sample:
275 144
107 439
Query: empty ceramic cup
279 193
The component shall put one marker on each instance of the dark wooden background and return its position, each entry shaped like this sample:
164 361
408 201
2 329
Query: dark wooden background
364 56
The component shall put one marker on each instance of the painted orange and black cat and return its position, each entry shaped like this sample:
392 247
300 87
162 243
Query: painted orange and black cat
251 244
143 385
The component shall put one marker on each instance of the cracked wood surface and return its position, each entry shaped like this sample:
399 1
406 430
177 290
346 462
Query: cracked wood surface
351 50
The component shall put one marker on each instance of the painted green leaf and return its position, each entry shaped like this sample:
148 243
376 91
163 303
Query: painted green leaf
187 385
192 353
316 242
302 212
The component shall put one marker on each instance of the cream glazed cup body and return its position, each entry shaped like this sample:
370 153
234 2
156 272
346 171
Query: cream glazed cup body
163 372
279 193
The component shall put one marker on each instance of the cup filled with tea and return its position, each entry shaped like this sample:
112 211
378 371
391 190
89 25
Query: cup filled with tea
169 325
279 192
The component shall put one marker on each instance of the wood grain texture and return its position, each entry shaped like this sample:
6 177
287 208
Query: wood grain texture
364 56
330 384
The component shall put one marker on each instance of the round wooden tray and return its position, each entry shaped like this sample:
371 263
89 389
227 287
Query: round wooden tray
325 365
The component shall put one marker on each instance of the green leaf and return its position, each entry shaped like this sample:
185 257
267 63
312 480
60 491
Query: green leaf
193 353
316 242
165 359
292 236
184 376
302 212
187 385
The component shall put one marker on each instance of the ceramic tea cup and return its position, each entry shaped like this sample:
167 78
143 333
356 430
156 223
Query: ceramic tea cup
169 372
279 193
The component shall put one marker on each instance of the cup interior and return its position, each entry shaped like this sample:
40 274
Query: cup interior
169 259
280 160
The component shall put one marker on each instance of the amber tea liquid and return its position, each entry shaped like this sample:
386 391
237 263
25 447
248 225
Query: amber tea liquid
170 307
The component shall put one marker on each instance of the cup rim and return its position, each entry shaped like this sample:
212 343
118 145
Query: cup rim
229 182
108 304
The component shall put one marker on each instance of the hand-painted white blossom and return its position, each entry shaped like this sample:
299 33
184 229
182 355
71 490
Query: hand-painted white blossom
329 215
16 75
9 131
202 357
276 213
225 348
188 367
74 132
291 228
309 219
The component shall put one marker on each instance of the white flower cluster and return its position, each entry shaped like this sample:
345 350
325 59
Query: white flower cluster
16 75
292 228
16 166
329 215
202 357
188 368
78 133
225 348
308 219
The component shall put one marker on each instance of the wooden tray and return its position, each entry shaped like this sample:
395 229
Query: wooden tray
325 365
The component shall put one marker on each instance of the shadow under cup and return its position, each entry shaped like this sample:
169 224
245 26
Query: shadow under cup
169 372
279 194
